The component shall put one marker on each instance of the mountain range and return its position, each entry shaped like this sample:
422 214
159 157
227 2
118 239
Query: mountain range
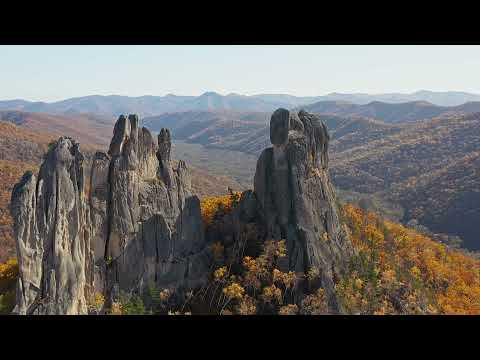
392 113
417 155
114 105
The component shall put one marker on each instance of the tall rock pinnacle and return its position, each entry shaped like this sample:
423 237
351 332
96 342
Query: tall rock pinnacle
296 200
53 246
146 223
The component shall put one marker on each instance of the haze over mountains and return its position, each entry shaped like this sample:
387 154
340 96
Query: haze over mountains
114 105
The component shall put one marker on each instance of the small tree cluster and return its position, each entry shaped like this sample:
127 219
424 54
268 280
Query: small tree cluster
213 208
260 287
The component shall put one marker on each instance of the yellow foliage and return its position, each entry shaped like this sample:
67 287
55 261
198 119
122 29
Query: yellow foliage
210 206
316 303
220 273
272 293
8 271
434 279
286 279
313 273
247 306
116 309
234 291
290 309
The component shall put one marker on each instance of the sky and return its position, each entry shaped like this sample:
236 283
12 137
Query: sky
52 73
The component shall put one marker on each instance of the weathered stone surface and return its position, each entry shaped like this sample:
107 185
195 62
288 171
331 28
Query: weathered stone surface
279 127
296 200
53 246
154 229
137 224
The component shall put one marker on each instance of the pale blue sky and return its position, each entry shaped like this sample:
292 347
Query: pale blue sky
50 73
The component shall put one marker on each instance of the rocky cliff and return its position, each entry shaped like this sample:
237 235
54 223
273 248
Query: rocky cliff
50 215
293 199
133 225
146 224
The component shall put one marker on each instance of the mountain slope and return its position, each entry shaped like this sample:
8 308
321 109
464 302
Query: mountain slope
222 129
87 128
446 200
430 168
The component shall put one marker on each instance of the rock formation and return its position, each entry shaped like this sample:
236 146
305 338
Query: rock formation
146 224
293 199
52 238
135 225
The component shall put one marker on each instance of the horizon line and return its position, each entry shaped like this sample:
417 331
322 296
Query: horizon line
252 95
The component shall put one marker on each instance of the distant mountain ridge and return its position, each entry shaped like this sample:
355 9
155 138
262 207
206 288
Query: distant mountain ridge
115 105
392 113
149 105
440 98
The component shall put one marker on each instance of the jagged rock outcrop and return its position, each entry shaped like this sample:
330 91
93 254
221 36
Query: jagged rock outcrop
50 223
146 224
293 199
133 225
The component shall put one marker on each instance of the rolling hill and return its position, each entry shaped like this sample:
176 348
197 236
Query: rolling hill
86 128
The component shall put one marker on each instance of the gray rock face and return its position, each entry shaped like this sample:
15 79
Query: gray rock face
53 247
146 223
296 200
138 225
279 127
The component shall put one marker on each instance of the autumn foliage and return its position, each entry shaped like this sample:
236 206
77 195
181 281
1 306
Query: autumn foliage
257 286
395 270
399 271
217 206
8 279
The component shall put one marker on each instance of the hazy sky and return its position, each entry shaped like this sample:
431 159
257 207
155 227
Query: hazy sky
49 73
